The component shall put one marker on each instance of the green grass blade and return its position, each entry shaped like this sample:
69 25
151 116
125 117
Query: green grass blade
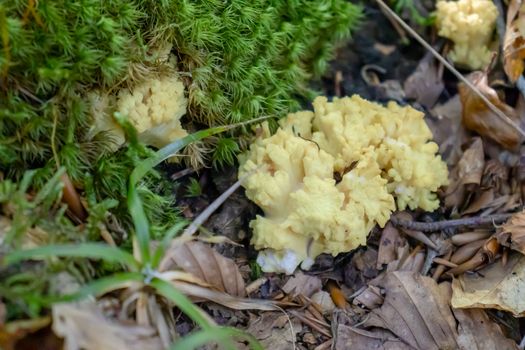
168 236
183 302
81 250
103 285
136 208
140 222
216 335
173 148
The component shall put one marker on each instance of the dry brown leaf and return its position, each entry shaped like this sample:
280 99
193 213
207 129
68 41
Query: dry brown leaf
425 84
12 333
514 41
513 233
472 163
445 123
301 284
388 245
416 310
478 117
204 262
468 171
348 337
83 326
275 330
324 301
478 332
494 287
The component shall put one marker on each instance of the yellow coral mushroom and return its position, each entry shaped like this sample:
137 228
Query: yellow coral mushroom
470 25
155 107
380 155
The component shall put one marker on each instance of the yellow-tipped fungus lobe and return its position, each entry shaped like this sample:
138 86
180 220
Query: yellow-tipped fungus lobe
327 177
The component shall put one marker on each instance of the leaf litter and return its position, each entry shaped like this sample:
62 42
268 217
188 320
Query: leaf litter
433 286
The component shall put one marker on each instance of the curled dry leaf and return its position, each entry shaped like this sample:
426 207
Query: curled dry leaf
83 326
514 41
416 310
494 287
468 171
478 332
478 117
301 284
425 84
324 300
388 244
513 233
204 262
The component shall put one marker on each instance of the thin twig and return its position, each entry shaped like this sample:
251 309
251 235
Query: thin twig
447 224
202 217
450 67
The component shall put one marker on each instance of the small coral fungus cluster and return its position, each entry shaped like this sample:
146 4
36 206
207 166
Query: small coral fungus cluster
470 25
327 177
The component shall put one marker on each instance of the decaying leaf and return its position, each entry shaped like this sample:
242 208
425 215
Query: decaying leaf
494 287
275 330
388 244
445 123
301 284
468 171
416 310
478 332
478 117
348 337
12 333
324 300
513 233
514 41
425 84
83 326
204 262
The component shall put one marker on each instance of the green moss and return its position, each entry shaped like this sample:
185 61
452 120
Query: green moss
249 59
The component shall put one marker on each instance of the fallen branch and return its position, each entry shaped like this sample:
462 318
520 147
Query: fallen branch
447 224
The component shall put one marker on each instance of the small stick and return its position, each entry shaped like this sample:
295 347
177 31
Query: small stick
441 268
420 236
446 224
445 262
202 217
311 323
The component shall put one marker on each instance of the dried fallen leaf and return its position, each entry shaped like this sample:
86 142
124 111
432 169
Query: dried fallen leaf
388 244
12 333
348 337
514 41
275 330
301 284
83 326
513 233
324 300
494 287
445 123
204 262
425 84
416 310
478 332
468 171
478 117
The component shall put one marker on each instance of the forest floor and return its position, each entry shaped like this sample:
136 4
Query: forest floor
443 280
